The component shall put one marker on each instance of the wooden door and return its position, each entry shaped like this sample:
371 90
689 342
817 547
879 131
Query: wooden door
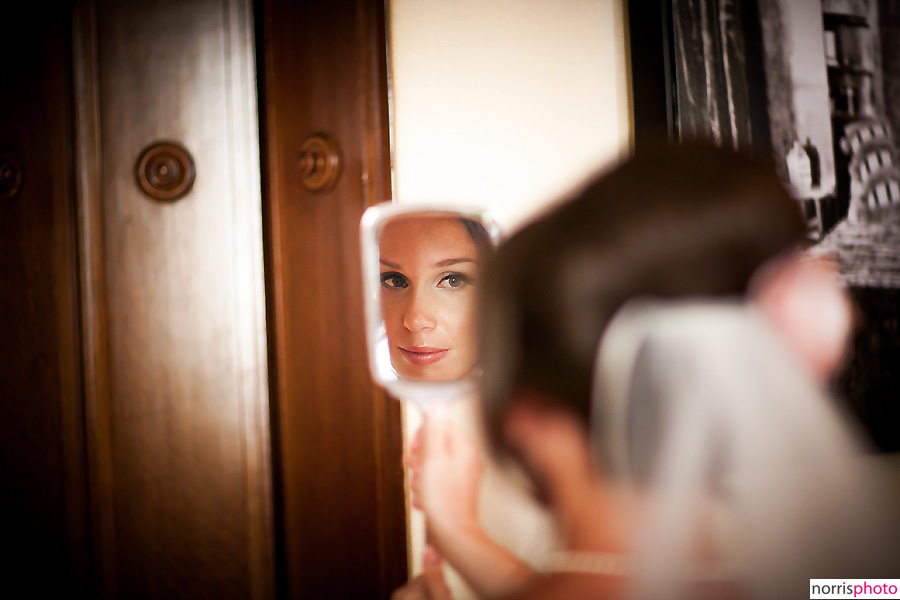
134 429
338 447
173 300
43 512
136 378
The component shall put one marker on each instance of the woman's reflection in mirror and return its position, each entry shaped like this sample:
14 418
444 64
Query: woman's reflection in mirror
429 275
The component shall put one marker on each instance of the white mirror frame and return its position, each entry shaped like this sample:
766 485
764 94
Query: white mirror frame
425 393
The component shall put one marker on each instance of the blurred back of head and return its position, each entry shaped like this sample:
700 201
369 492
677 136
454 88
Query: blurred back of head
683 221
695 397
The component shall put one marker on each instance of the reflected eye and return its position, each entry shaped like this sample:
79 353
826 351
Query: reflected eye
454 281
393 280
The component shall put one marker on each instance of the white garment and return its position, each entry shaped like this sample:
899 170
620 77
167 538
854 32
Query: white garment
702 403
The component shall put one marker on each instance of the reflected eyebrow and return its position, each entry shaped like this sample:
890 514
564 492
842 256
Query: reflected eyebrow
453 261
389 264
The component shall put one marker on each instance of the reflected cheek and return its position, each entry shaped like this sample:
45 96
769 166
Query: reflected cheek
392 310
469 340
460 324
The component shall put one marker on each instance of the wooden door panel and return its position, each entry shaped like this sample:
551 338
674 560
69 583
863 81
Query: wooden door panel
339 449
134 350
180 438
43 515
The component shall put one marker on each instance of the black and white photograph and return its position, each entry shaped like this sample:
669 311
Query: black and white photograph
815 84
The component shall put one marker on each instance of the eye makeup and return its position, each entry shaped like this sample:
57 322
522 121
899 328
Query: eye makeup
393 280
455 280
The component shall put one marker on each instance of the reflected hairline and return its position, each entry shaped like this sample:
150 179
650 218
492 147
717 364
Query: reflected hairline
443 263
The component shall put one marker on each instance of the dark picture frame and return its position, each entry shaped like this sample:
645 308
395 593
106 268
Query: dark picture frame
741 87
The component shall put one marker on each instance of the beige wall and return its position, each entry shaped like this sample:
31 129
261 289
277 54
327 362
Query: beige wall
505 104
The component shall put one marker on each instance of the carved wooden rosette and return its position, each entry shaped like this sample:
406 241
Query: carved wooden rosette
165 171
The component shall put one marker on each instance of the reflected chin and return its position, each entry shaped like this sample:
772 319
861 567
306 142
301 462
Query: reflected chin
420 373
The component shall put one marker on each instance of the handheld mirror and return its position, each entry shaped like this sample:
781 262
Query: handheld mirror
420 279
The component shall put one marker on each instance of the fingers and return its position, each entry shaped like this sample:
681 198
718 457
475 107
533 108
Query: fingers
433 574
430 441
415 449
430 585
415 489
445 471
414 590
429 451
414 462
437 435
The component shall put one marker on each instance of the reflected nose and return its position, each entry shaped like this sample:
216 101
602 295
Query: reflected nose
419 315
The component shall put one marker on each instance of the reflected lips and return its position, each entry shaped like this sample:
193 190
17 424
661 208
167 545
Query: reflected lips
423 355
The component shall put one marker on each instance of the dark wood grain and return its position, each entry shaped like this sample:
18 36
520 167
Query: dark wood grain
338 446
43 515
95 342
176 387
136 450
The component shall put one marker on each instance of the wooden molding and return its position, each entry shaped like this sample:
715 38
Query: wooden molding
338 462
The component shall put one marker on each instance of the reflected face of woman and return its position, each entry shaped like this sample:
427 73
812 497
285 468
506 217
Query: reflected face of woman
429 267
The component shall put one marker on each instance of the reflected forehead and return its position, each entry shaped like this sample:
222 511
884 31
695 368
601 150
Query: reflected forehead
449 262
437 241
419 225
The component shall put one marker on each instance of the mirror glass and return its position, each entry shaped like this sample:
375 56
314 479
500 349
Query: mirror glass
422 270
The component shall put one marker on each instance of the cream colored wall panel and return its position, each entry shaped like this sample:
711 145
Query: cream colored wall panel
505 104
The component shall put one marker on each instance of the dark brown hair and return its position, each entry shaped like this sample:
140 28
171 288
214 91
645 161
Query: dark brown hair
689 220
